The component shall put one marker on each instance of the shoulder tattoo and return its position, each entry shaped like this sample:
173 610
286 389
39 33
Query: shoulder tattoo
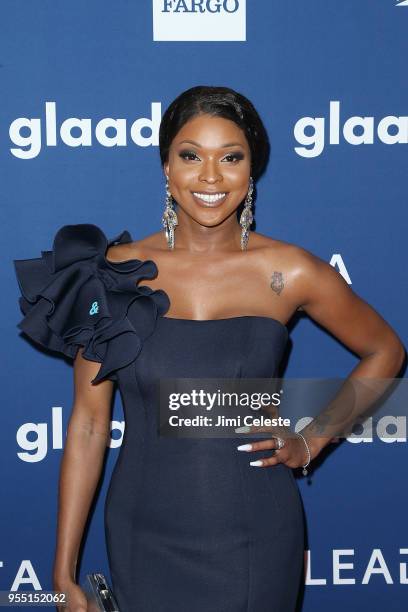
277 282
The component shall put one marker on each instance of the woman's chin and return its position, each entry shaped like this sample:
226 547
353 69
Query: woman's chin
217 217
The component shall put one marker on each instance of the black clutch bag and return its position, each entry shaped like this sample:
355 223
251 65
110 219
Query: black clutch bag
99 594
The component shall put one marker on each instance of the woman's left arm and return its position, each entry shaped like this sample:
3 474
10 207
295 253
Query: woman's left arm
327 299
321 291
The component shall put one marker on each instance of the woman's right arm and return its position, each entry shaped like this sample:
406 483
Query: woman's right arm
87 438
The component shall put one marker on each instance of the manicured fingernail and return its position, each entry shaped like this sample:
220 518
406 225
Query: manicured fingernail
245 447
244 429
256 463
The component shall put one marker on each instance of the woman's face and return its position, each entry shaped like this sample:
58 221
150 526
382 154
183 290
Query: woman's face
209 168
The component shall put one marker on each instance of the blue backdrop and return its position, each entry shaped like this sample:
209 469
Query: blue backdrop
327 79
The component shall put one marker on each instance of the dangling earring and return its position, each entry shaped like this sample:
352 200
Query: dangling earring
246 216
169 218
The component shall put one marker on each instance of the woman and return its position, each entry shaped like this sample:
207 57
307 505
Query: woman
191 525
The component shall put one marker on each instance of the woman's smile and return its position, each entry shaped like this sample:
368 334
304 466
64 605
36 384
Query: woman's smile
209 199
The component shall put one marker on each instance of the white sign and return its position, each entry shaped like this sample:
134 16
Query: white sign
199 20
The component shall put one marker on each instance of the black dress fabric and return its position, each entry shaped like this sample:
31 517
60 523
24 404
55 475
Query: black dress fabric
190 525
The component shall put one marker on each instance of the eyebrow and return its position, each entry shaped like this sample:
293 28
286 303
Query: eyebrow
228 144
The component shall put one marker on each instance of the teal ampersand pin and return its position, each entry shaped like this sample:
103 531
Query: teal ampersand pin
94 308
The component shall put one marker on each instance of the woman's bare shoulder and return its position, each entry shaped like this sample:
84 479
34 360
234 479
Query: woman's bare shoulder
289 265
272 249
137 249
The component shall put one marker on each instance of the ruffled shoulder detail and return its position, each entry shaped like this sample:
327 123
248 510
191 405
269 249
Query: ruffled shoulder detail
73 296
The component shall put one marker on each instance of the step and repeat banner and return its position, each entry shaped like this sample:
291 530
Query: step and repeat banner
83 88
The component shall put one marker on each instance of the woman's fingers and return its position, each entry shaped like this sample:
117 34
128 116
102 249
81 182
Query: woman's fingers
268 461
270 443
276 431
290 453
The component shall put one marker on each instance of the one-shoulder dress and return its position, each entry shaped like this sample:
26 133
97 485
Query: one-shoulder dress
190 525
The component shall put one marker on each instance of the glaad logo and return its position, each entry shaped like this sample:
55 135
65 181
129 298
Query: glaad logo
75 132
402 3
364 125
199 20
34 439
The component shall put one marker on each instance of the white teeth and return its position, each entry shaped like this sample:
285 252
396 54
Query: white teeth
209 198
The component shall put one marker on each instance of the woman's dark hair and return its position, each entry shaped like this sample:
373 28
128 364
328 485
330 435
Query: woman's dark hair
218 102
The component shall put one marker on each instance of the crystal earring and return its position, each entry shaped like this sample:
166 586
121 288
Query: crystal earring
246 216
169 218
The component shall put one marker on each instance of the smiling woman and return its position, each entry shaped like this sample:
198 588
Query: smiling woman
191 524
205 139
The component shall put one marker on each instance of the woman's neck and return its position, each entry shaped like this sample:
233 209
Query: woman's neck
196 238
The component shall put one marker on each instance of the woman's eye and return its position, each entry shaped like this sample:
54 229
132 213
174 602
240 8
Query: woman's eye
234 156
187 154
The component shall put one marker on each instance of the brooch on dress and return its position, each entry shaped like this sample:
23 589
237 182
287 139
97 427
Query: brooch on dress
94 308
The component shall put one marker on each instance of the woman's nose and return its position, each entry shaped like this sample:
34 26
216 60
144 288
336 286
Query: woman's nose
210 172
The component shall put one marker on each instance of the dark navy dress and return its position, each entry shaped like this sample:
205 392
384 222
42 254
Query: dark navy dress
190 525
